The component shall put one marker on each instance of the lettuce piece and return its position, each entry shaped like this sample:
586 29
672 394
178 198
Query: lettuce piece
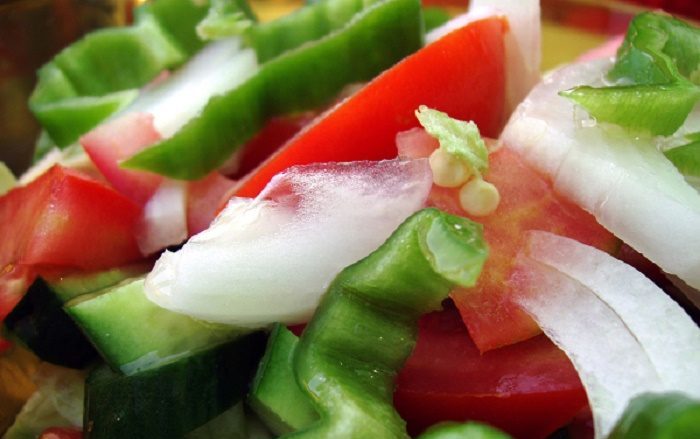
459 138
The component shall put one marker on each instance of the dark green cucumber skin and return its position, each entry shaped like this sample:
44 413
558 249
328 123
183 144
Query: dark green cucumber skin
173 399
40 322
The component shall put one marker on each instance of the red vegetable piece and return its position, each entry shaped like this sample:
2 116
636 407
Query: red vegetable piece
61 433
528 202
461 74
65 219
528 389
114 141
15 280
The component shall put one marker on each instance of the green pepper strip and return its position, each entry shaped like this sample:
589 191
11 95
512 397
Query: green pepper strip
97 75
310 23
366 325
657 416
657 71
298 80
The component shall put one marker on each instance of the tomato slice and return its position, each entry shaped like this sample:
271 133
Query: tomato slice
528 202
528 389
65 219
461 74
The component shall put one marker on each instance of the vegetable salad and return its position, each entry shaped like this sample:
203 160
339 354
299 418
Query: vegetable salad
339 224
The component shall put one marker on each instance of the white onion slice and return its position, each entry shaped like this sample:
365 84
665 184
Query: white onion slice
522 43
164 220
624 335
270 259
184 94
627 183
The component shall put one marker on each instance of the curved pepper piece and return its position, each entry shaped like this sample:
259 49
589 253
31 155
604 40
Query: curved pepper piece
98 74
300 79
366 325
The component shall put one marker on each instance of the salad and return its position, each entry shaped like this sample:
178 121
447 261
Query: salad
337 224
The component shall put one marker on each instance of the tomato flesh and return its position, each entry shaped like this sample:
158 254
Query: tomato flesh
461 74
528 389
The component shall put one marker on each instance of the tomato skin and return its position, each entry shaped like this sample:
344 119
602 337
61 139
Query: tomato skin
364 126
528 389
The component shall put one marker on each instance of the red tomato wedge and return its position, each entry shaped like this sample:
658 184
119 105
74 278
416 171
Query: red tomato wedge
65 219
528 202
528 389
461 74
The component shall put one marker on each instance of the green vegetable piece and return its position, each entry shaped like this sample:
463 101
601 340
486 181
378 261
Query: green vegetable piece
68 286
300 79
657 77
97 75
686 158
7 179
225 19
366 325
458 138
173 399
134 334
660 416
468 430
42 325
275 395
310 23
435 17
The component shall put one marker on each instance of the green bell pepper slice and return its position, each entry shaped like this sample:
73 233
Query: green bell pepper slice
366 324
659 416
300 79
656 77
99 74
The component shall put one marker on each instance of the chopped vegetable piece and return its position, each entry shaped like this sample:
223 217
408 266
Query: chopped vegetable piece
115 321
171 400
626 182
78 88
365 327
686 158
527 389
528 201
432 76
225 19
655 77
606 316
658 416
66 219
374 39
223 274
274 394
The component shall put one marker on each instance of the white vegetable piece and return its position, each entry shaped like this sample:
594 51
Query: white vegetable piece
624 335
270 259
184 94
164 220
627 183
522 43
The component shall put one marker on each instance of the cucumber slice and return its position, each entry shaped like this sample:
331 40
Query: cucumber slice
72 285
40 323
275 395
171 400
134 334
